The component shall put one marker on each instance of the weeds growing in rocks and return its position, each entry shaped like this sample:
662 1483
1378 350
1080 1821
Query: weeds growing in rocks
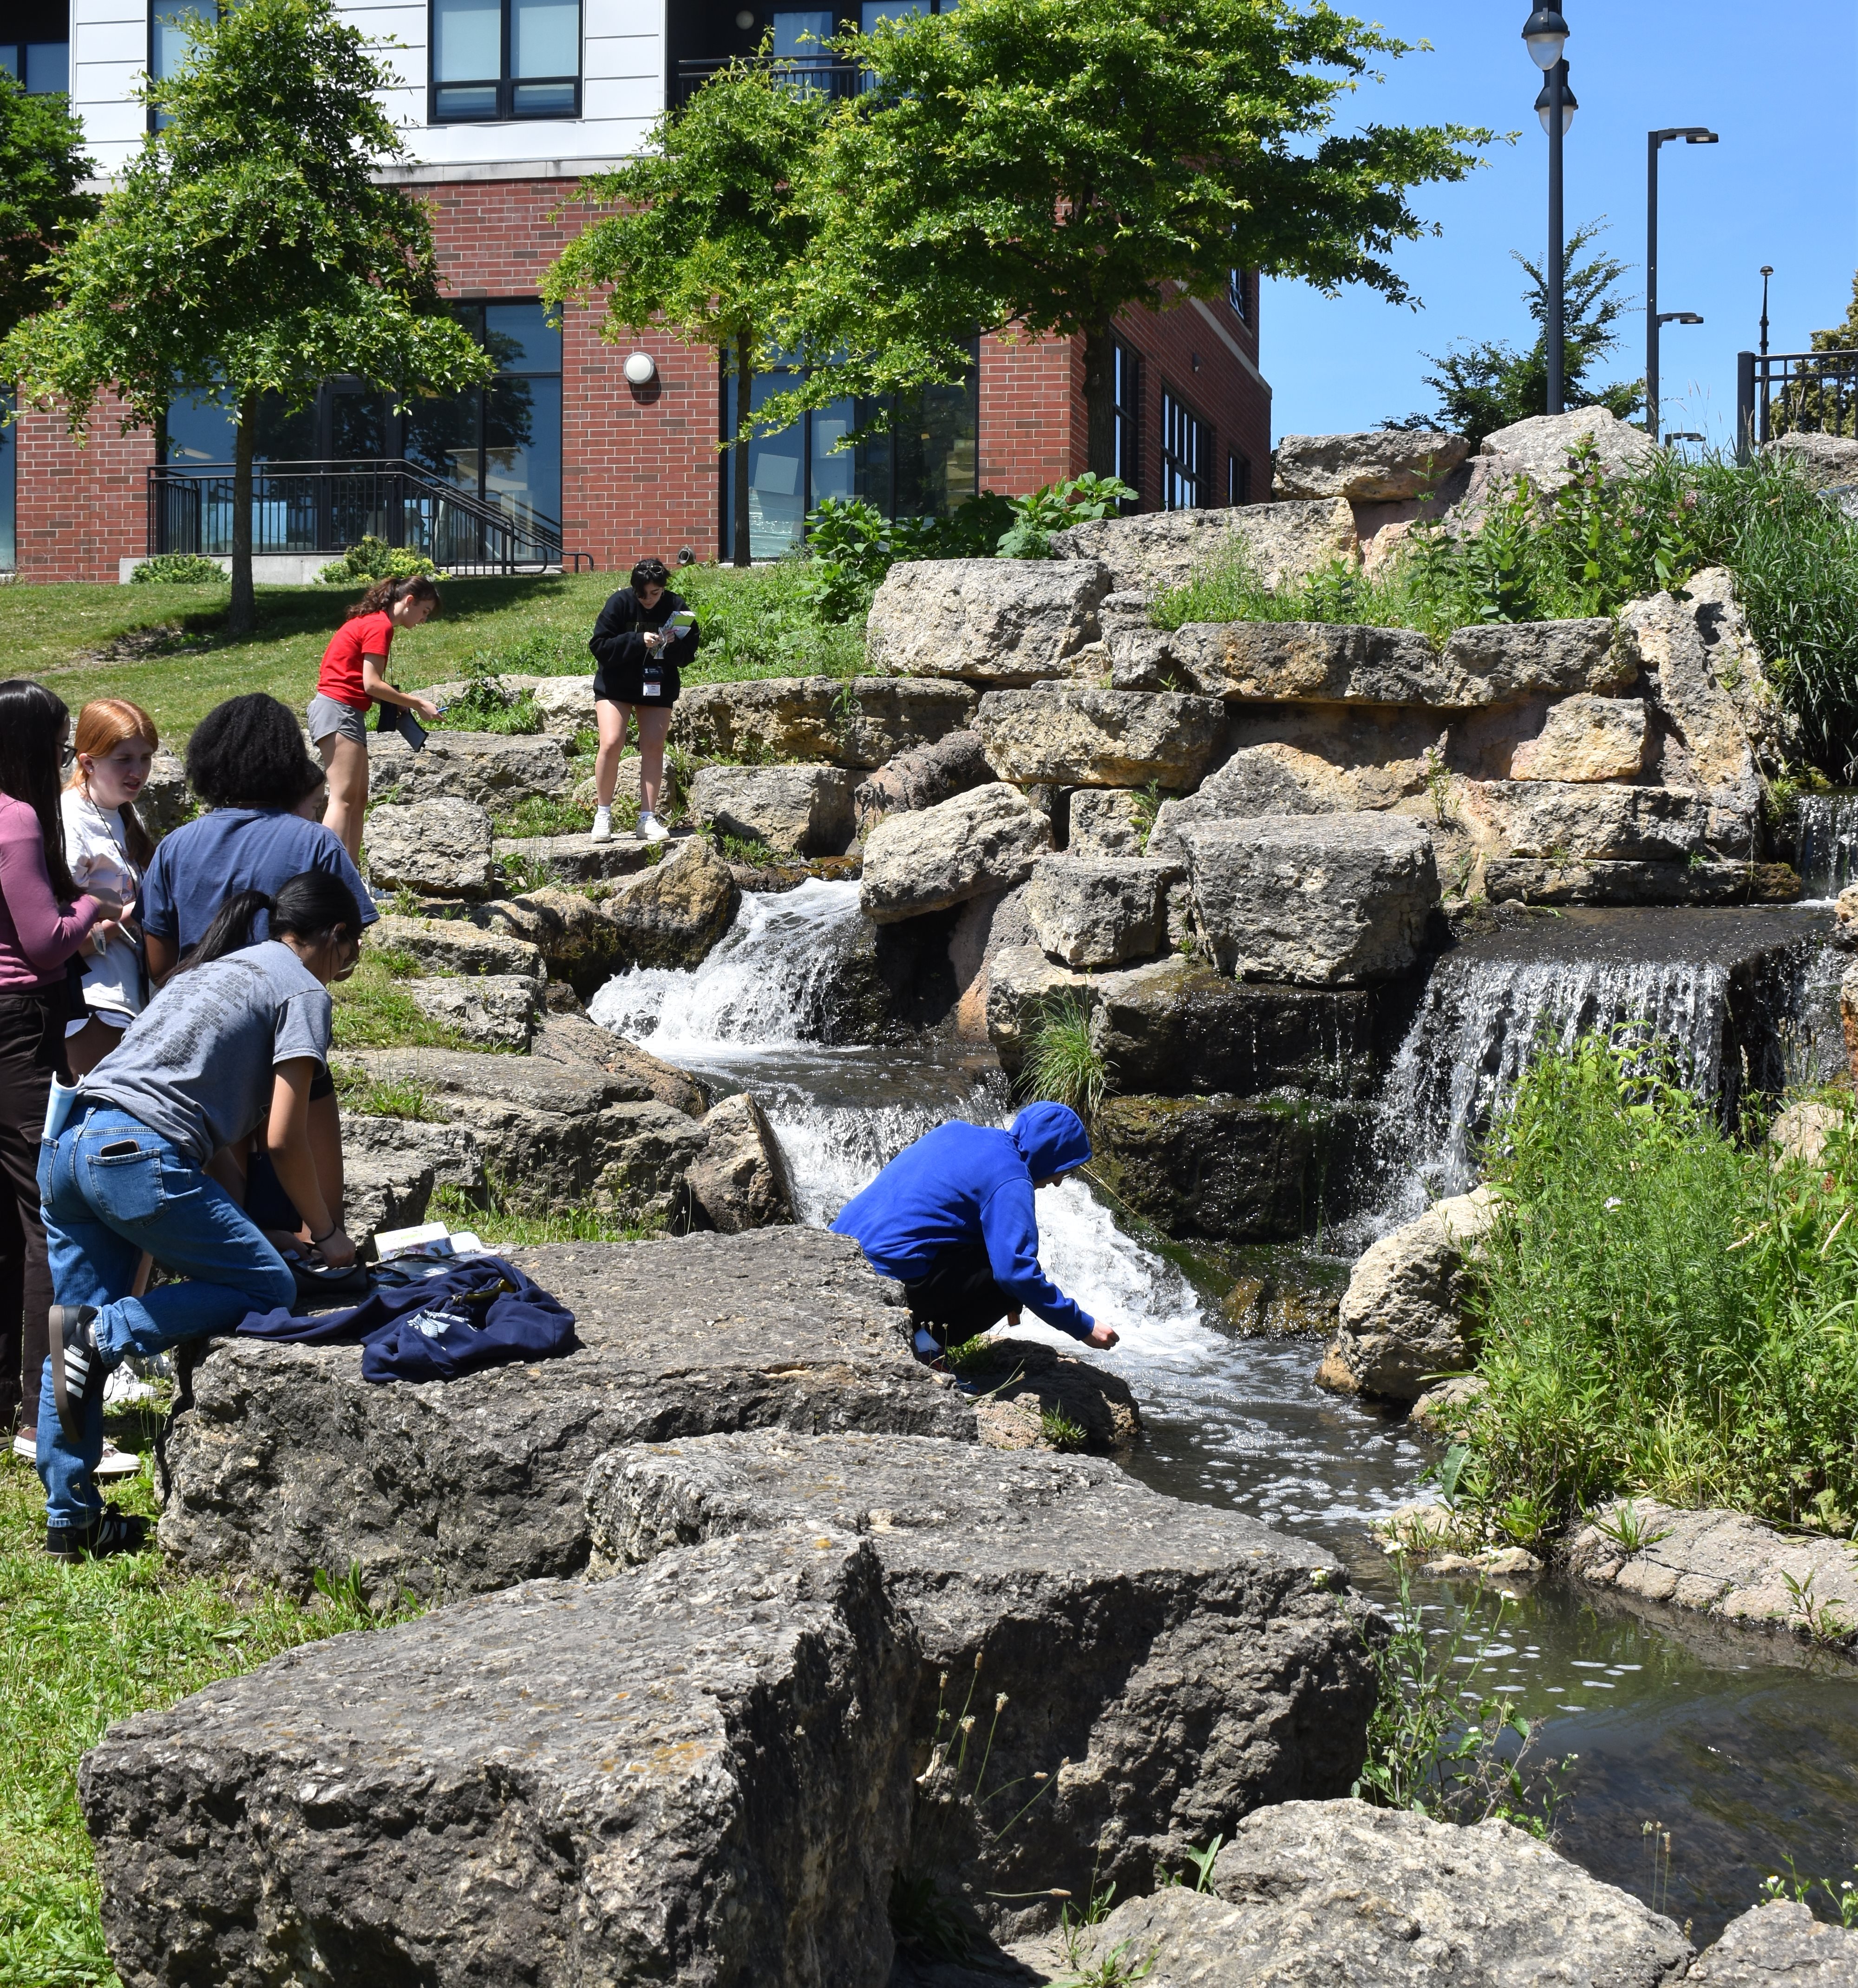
505 1227
1064 1436
373 1011
85 1645
544 814
488 704
374 1097
1661 1308
1842 1897
1062 1062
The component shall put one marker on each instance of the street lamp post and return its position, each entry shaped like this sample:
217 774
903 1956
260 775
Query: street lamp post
1544 34
1767 271
1691 134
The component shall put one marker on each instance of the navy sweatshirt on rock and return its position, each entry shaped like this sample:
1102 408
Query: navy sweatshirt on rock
961 1184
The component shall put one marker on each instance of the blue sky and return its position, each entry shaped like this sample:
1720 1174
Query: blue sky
1779 83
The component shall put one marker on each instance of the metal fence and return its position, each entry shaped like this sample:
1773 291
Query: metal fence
822 78
326 507
1794 393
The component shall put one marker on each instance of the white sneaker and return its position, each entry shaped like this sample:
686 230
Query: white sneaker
116 1462
26 1444
652 829
602 831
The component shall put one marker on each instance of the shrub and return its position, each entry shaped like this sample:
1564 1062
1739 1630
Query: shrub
1062 1062
488 704
1055 506
180 570
370 558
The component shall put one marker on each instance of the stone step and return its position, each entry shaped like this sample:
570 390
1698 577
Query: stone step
576 859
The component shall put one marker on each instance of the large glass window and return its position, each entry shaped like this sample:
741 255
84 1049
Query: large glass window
1184 448
9 485
1126 394
926 463
500 58
171 30
36 50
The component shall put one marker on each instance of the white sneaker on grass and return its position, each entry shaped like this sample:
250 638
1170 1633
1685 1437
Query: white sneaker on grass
602 831
652 829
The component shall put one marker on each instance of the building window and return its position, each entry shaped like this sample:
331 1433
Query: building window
1237 292
1238 479
501 58
1184 450
9 485
927 463
37 50
1125 395
170 31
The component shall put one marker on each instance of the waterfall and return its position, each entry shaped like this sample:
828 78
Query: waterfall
1828 846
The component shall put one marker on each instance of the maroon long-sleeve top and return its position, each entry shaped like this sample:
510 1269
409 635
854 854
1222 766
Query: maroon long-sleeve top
37 935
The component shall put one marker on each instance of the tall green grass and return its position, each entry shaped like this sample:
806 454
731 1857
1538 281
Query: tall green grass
1662 1308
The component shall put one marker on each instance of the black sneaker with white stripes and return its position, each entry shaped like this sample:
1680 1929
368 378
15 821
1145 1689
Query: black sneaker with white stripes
110 1531
77 1363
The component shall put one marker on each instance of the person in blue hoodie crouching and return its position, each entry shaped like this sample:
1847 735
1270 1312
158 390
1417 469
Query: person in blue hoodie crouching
952 1218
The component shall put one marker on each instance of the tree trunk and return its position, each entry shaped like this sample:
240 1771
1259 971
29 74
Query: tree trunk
241 617
745 392
1099 400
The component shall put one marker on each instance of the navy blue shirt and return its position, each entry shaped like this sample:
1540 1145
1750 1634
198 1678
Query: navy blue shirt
201 864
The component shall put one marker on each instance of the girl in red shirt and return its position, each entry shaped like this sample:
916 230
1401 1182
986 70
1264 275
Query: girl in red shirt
353 676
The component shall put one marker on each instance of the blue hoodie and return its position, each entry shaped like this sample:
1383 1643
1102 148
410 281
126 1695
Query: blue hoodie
963 1184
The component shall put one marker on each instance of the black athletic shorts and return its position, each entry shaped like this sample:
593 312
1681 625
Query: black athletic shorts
628 687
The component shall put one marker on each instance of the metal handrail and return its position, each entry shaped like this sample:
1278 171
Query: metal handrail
327 506
1794 393
826 75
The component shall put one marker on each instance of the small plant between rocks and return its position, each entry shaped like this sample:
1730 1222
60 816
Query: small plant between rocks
1062 1062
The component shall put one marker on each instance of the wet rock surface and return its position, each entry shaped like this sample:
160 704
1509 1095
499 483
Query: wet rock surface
1724 1564
1602 882
795 810
695 1772
863 724
1780 1944
991 622
940 856
1313 1894
436 848
1167 1667
287 1460
1072 734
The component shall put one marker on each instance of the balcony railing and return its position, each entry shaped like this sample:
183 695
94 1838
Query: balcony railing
1794 393
326 507
823 78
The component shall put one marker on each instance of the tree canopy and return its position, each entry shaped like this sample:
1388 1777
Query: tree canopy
43 166
247 247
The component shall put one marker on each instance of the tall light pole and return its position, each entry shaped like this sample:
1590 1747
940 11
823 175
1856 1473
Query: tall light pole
1544 34
1691 134
1767 271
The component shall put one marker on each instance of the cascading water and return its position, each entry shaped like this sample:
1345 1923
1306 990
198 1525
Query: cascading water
1827 855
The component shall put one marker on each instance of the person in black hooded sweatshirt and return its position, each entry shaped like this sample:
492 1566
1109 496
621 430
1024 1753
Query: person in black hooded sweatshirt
639 659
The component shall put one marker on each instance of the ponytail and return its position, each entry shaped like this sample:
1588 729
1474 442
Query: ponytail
312 904
382 597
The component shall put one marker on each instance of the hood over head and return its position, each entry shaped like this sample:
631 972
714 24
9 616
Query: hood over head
1051 1139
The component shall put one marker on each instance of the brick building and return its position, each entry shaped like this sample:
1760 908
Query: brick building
506 104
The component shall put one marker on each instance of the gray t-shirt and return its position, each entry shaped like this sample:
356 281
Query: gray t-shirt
197 1065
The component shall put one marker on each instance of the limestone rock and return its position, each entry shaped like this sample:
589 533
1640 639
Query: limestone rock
383 1192
1822 459
698 1773
1496 662
1090 913
673 913
497 770
1558 819
1540 445
1314 899
1381 466
1219 1167
739 1180
1108 821
578 943
1845 920
1074 735
574 859
1722 1564
288 1461
1780 1944
987 839
1562 879
573 1040
437 848
497 1011
451 946
1021 980
1448 1407
1022 1381
1256 780
991 622
862 724
1154 550
401 1148
796 810
566 704
1311 1894
1587 739
1168 1666
1707 677
557 1137
166 800
1848 1014
955 764
1800 1130
1402 1321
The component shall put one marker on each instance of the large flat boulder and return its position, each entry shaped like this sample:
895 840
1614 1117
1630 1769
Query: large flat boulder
1315 1894
454 946
1382 466
574 1040
1780 1944
1076 736
1092 912
1562 879
1155 550
1561 819
802 810
438 848
1315 899
498 1011
1499 661
497 770
927 860
1539 446
1586 738
574 859
696 1774
861 724
1165 1667
286 1460
990 621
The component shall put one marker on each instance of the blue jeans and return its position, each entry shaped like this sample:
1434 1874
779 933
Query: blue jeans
101 1211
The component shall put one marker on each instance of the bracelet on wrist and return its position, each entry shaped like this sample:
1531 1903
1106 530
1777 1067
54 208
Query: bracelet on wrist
315 1241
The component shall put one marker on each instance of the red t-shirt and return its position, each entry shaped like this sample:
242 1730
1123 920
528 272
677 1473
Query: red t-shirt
341 676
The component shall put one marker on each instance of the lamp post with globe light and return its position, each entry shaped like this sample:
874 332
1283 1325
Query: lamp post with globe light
1544 34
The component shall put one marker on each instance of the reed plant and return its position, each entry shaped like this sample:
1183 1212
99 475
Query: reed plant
1662 1306
1062 1062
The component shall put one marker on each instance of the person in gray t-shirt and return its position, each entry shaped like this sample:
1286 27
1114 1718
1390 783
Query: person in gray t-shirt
229 1046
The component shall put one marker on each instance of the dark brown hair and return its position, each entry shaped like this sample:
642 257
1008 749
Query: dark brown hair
32 731
381 597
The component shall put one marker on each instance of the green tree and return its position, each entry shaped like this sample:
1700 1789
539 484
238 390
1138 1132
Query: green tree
1045 164
247 247
41 167
1842 337
708 235
1487 386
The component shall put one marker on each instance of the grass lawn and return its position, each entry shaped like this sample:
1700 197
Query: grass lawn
165 646
80 1646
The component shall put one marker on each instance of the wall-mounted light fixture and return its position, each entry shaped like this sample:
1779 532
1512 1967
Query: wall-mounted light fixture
639 368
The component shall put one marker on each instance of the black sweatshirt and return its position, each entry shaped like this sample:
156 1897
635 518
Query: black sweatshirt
618 640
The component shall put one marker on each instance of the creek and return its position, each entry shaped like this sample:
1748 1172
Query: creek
1743 1751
